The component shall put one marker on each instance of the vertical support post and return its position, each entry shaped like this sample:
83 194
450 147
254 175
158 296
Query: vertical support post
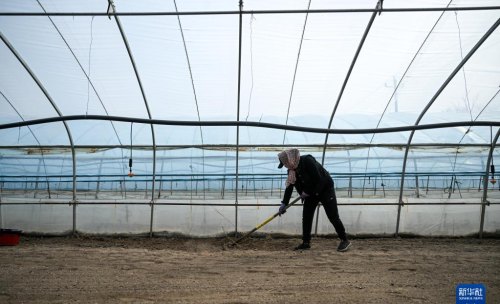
417 190
383 187
484 200
1 216
159 188
161 179
74 186
222 186
363 188
191 184
281 183
427 186
240 28
349 192
458 186
48 188
37 176
98 180
153 184
451 188
272 185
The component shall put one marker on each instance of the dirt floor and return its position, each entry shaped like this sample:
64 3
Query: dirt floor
261 270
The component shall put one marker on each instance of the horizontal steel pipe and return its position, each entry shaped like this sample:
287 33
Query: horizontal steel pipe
250 175
250 124
226 205
258 12
257 147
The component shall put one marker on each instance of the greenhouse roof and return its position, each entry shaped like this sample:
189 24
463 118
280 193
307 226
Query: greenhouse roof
121 100
93 74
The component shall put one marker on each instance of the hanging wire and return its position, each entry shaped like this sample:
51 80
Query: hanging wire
492 166
83 70
296 67
90 55
469 108
252 18
401 80
469 128
189 67
130 174
193 86
34 136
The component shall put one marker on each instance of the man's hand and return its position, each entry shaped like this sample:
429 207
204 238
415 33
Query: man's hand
282 209
303 195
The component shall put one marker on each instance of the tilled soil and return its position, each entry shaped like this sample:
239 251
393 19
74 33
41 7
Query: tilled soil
260 270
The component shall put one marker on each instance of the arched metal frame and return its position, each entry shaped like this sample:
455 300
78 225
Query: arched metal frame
440 90
484 200
339 97
70 138
81 68
39 146
238 123
348 75
118 23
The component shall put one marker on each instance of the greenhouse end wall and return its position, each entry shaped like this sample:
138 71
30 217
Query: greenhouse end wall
376 217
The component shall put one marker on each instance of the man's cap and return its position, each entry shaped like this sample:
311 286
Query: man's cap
280 165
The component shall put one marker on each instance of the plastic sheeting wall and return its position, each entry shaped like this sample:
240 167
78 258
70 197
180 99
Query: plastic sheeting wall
436 220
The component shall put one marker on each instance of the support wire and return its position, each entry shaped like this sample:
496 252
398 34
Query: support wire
192 84
34 136
83 70
431 102
295 70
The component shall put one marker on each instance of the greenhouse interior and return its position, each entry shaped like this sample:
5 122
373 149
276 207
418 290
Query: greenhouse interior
167 117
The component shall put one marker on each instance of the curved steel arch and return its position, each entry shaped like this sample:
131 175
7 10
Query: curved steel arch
44 91
433 99
484 200
129 51
469 128
360 46
83 70
404 75
34 136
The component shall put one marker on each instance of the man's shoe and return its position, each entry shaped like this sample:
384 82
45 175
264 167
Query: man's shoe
303 246
344 246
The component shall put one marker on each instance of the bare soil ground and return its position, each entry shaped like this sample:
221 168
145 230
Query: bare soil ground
260 270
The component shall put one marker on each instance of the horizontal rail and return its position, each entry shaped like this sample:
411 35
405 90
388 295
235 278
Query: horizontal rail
257 12
70 203
251 175
250 124
255 147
